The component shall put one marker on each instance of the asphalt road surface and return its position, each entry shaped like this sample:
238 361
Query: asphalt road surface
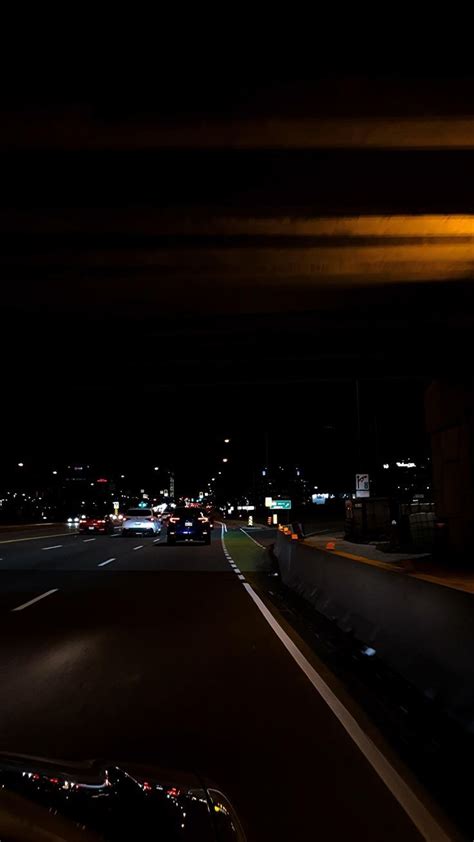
126 649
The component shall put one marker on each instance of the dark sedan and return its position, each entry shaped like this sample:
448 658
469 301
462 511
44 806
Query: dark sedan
189 524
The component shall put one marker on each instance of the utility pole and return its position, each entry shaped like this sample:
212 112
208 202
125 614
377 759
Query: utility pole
358 427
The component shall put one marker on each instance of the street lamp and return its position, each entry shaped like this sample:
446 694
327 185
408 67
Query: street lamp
55 473
226 441
225 459
156 468
20 464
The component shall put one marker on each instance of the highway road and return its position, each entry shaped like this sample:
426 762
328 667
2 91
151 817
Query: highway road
126 649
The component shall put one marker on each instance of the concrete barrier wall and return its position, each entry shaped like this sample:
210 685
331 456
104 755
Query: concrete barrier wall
424 631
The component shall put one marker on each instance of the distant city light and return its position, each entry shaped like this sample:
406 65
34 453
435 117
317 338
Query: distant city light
156 468
226 441
20 464
225 459
406 464
122 476
55 472
386 466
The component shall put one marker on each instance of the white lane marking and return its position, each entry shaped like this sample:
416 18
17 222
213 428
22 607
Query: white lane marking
236 569
39 537
36 599
105 562
54 547
414 808
157 541
253 539
241 577
88 540
408 800
117 535
140 547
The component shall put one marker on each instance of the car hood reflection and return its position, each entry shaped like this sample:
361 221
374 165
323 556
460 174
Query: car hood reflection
45 799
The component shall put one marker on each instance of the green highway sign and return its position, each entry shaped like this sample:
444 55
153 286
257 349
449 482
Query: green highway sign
281 504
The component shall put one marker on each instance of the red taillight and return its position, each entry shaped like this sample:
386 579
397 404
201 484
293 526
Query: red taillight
174 519
204 519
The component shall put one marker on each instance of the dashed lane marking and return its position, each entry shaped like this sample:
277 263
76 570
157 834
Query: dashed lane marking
140 547
53 547
36 599
103 563
88 540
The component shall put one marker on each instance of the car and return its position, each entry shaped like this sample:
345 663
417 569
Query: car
142 521
188 524
91 800
97 524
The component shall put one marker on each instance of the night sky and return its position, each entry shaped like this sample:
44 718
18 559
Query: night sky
143 302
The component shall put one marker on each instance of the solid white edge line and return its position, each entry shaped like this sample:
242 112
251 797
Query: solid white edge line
36 599
106 562
414 808
54 547
40 537
253 539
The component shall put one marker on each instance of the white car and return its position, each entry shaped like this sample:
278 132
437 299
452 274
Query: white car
141 521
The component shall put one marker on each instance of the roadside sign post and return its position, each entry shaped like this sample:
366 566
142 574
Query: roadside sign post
362 485
282 505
